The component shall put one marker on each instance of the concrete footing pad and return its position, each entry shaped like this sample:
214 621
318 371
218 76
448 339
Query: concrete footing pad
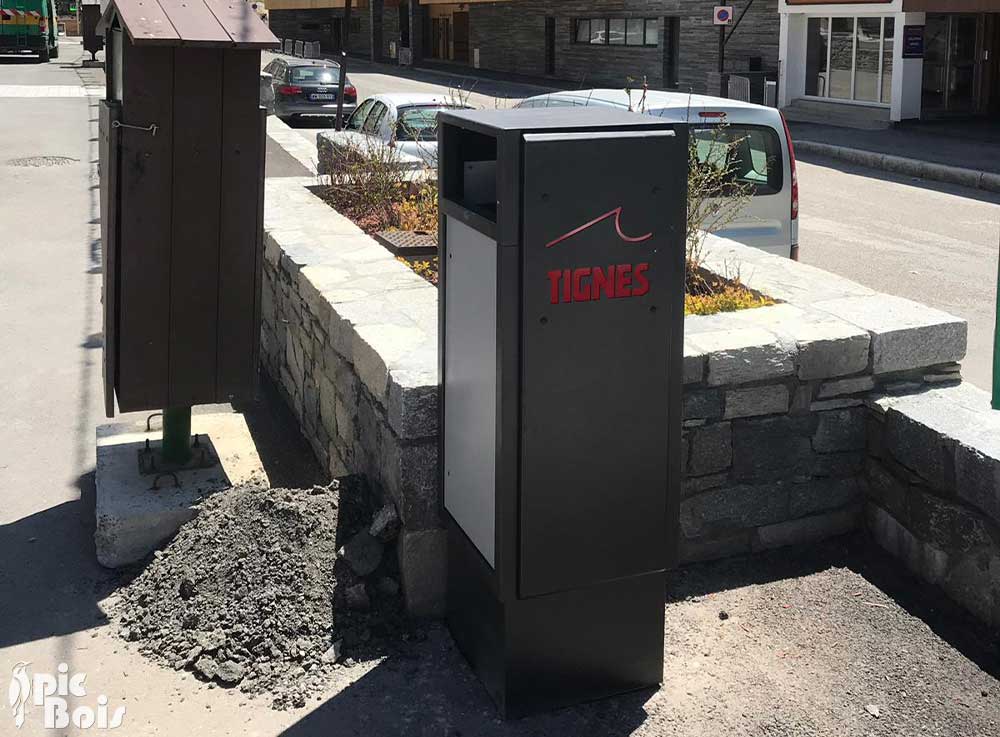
133 517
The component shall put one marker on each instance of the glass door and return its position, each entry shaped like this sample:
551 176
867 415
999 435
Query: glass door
952 46
850 58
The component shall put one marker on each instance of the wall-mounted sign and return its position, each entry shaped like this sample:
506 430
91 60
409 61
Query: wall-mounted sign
913 42
723 15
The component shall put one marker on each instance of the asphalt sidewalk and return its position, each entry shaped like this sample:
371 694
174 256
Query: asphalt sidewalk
957 152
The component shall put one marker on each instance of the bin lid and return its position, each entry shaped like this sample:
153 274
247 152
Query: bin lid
219 23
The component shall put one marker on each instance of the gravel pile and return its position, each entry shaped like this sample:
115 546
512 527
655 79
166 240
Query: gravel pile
269 590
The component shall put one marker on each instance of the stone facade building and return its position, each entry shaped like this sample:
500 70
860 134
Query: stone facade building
673 44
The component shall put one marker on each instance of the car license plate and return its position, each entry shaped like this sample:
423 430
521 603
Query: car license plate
322 97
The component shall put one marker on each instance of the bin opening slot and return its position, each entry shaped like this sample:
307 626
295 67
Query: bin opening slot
469 177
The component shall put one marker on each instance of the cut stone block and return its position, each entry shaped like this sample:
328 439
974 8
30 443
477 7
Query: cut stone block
705 404
422 566
711 449
840 430
808 529
759 400
820 495
132 518
733 508
744 355
904 334
772 448
854 385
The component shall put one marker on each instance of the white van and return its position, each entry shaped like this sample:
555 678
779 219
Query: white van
770 221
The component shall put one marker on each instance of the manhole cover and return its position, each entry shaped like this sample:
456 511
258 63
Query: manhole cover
39 161
408 242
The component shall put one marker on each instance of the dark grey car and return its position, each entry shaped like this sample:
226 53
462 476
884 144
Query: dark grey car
305 87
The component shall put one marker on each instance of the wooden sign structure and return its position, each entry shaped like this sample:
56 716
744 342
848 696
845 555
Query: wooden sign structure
182 178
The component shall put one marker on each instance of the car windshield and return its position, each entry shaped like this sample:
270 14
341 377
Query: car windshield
317 75
419 122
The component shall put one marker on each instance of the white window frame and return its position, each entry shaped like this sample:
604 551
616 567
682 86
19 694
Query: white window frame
854 61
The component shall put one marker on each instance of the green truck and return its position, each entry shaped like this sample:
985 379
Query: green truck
29 27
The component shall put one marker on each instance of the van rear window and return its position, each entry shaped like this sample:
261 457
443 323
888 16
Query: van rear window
753 153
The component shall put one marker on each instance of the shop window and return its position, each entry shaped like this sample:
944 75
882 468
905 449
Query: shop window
616 31
850 58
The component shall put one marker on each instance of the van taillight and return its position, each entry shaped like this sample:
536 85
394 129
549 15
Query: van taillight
43 25
791 161
709 114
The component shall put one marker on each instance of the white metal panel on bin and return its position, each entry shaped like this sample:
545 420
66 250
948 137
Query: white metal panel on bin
471 375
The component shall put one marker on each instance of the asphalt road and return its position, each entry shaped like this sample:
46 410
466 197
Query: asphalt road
936 244
929 242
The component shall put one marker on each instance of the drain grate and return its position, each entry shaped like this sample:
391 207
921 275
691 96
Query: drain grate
408 242
40 161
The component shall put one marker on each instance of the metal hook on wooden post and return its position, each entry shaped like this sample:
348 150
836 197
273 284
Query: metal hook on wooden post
151 128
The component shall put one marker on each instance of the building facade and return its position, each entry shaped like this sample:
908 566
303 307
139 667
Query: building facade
671 44
913 58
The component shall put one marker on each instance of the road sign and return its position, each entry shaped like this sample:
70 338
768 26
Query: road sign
723 15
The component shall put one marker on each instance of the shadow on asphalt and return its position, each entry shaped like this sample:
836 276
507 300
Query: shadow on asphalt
51 583
862 556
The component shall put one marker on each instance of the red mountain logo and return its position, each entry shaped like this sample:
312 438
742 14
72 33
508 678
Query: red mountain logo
617 215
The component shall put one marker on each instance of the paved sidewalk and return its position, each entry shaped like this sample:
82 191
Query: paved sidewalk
966 153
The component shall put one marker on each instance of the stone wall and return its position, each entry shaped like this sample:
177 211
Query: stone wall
350 337
776 399
933 475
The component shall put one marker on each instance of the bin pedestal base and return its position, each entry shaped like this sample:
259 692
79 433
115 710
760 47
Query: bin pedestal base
551 651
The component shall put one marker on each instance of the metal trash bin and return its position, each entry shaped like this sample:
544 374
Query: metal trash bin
561 319
181 185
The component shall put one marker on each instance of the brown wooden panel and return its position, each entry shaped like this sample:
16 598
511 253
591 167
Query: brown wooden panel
196 24
145 21
108 143
240 239
242 24
194 260
144 236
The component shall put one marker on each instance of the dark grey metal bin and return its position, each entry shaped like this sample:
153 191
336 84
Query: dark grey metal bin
182 167
561 319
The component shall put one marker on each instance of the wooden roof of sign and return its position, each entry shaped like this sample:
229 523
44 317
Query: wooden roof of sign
218 23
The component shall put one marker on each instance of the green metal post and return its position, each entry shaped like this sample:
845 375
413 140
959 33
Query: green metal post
996 349
177 435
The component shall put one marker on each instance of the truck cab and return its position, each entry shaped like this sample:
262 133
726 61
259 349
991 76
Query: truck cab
29 27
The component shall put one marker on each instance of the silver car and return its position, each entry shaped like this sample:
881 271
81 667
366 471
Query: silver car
293 87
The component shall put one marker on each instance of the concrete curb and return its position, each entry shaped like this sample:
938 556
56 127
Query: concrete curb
984 180
295 145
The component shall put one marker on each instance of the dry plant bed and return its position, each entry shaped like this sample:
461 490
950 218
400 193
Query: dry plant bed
376 193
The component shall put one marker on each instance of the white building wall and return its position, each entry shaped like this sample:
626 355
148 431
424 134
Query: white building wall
907 74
